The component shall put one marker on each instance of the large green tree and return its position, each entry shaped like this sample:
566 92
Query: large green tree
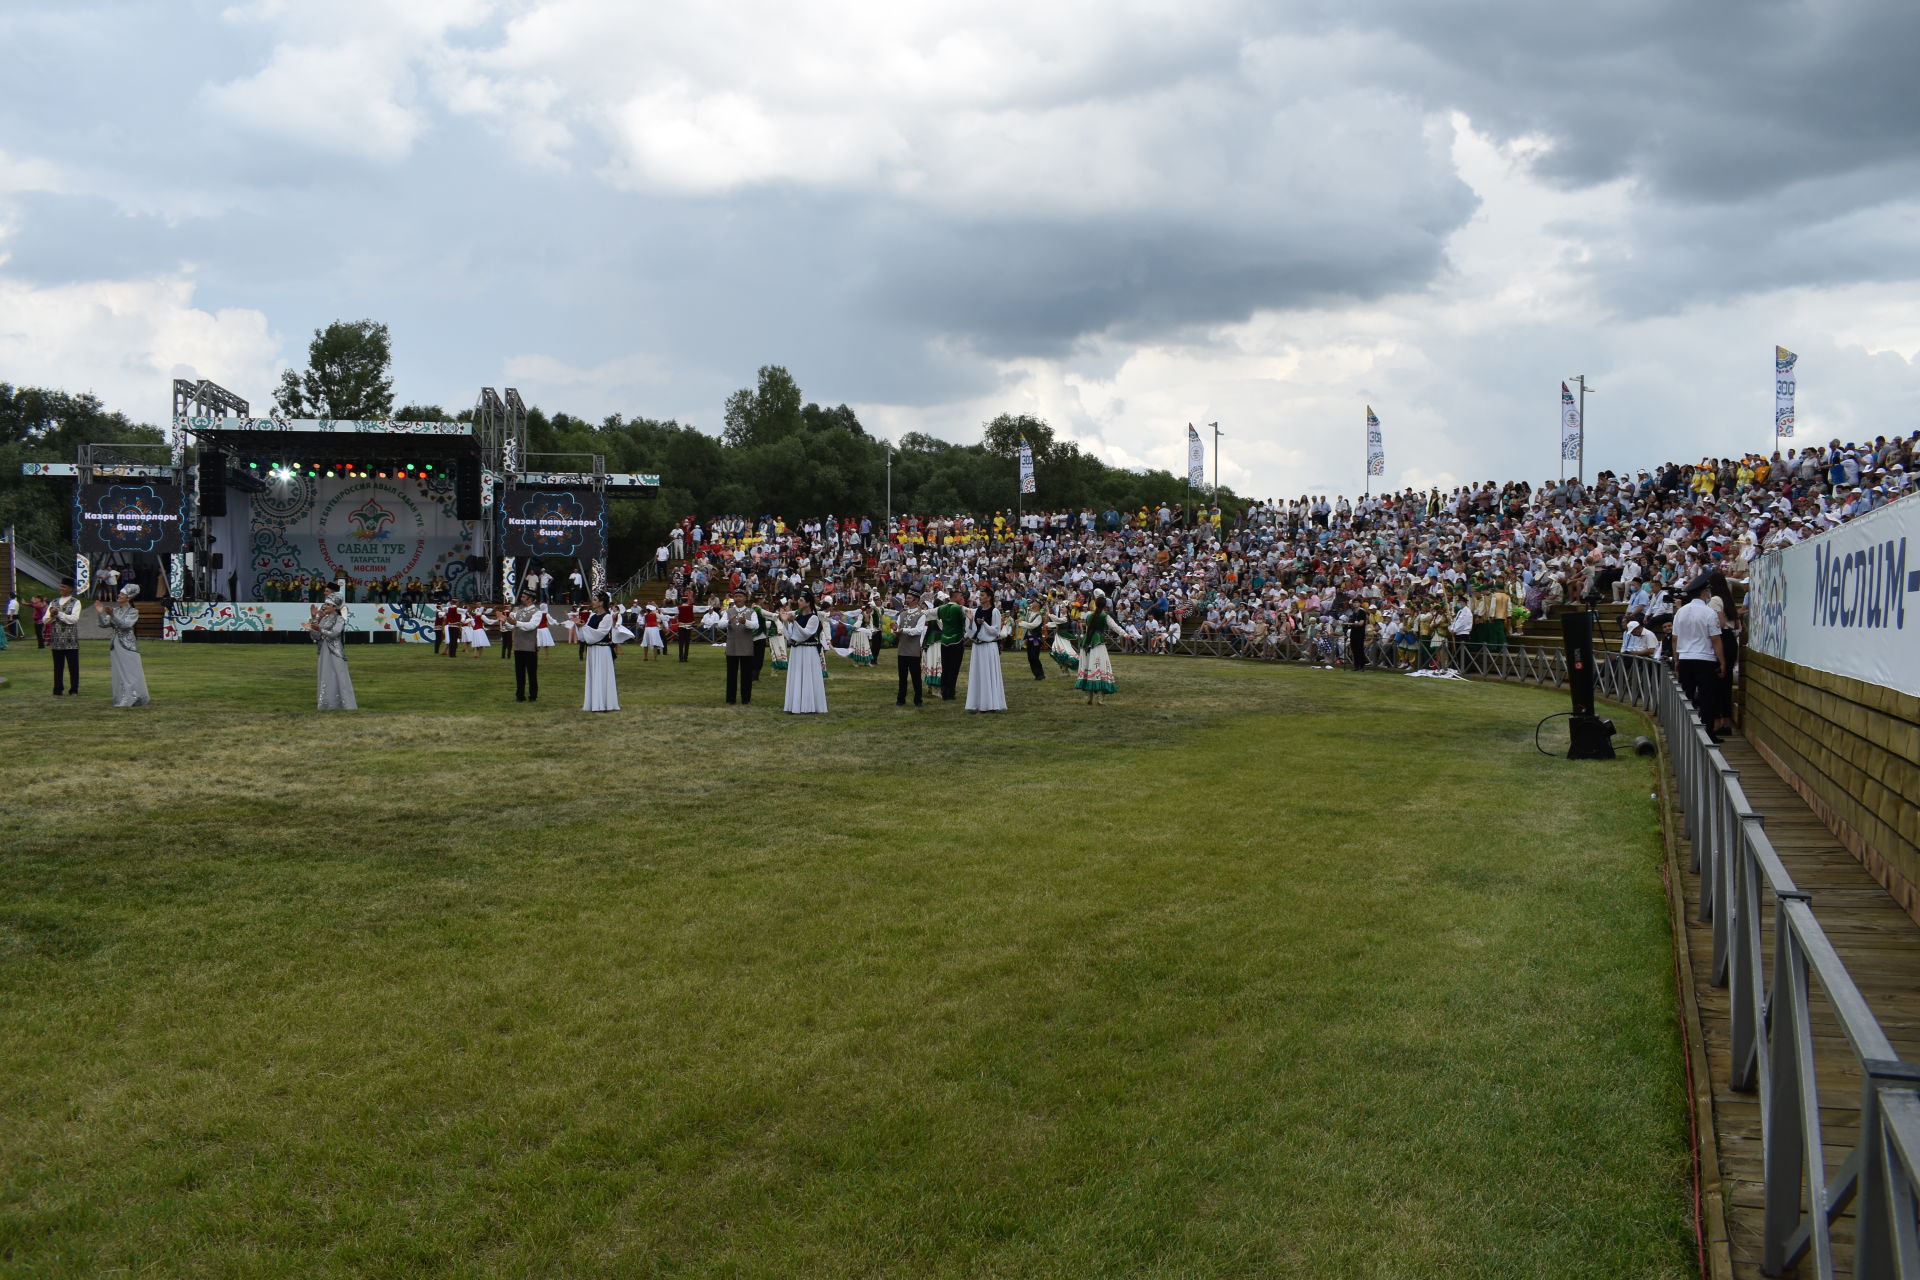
349 374
41 425
768 412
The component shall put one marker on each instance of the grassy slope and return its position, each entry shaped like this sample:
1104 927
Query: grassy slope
1252 970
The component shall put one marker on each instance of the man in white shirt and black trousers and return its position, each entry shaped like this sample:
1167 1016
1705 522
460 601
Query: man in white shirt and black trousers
1700 655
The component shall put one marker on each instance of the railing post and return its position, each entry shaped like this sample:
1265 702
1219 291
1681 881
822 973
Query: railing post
1793 1165
1746 986
1887 1245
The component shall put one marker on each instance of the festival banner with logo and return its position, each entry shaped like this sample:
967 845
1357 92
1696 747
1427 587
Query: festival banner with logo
1784 383
364 530
1376 447
134 517
568 523
1569 425
1026 468
1196 459
1842 601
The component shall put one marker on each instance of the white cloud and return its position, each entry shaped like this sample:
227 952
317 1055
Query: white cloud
122 339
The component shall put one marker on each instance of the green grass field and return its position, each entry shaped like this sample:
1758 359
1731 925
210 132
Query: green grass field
1253 971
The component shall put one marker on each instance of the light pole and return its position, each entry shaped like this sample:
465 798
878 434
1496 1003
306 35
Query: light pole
1580 463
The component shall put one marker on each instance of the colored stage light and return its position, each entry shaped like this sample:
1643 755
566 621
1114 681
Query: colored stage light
253 466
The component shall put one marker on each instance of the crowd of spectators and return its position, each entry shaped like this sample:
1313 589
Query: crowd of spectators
1400 577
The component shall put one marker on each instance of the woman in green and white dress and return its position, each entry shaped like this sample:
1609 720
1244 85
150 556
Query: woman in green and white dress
1096 668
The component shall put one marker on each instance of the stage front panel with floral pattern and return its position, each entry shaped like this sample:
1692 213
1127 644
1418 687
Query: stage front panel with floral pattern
411 623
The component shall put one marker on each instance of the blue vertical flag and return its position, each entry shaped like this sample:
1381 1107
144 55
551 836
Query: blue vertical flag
1026 467
1784 382
1376 451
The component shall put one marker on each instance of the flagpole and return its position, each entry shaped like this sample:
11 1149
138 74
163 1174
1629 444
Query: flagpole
1216 462
1580 463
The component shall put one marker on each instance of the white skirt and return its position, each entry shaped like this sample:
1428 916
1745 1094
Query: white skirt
652 640
476 638
986 691
602 693
806 681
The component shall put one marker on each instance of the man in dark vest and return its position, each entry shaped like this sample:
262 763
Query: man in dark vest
909 634
526 649
743 625
953 626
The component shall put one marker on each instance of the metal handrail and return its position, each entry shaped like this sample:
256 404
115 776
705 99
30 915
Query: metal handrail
1771 1034
1770 1005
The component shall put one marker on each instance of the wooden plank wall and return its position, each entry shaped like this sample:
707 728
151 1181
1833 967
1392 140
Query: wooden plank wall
1852 751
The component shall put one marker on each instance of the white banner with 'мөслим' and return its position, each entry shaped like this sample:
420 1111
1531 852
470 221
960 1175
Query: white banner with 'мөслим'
1847 601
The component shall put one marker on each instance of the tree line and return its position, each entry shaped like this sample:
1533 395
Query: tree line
777 453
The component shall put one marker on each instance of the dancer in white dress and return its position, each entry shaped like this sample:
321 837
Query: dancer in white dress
806 683
479 618
123 651
600 631
329 627
986 690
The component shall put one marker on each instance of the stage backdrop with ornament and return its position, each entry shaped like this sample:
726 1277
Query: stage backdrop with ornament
361 530
131 516
563 522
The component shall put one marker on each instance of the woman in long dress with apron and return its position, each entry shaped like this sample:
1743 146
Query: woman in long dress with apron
329 627
1096 668
123 651
777 643
600 631
806 681
986 690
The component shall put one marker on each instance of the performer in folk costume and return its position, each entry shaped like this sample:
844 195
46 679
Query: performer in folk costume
932 654
450 624
129 677
329 628
1062 650
1096 669
1033 638
543 638
953 632
63 636
806 685
601 635
986 690
503 622
476 631
529 622
742 624
777 640
909 635
651 641
864 628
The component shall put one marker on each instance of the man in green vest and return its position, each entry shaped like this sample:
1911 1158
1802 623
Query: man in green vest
953 625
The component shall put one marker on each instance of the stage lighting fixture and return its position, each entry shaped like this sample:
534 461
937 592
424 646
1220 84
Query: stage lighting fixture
253 466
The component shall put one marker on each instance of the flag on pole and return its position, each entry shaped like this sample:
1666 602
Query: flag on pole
1376 451
1783 386
1196 459
1026 467
1569 425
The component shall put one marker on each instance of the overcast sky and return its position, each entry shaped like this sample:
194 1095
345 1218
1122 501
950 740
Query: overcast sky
1121 216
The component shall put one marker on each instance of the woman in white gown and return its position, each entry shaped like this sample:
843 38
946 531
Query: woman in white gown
806 683
329 626
600 631
123 651
986 690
